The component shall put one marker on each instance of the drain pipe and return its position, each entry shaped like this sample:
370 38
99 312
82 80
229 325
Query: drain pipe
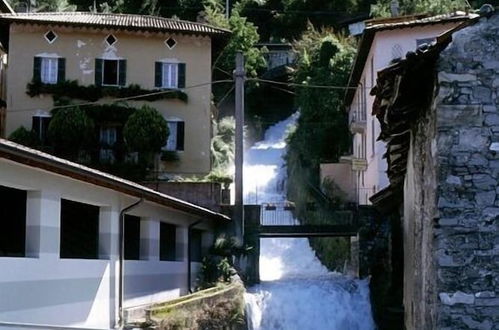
189 254
121 237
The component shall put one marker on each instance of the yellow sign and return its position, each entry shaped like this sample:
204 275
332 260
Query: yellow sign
359 164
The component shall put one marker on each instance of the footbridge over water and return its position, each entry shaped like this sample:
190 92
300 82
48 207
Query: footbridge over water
279 220
273 220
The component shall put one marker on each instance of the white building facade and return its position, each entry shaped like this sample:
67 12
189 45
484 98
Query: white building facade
383 42
60 243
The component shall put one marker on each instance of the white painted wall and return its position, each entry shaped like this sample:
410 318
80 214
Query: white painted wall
386 46
44 289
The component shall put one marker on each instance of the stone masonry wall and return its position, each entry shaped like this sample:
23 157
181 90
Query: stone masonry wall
466 240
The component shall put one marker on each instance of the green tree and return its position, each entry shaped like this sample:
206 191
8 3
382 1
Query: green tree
409 7
70 131
244 37
145 132
321 133
46 5
25 137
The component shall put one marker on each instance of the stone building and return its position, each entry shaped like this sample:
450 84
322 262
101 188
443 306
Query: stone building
438 112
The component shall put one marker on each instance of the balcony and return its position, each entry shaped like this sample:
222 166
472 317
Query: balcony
358 122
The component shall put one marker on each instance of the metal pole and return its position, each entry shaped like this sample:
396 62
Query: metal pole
239 77
227 9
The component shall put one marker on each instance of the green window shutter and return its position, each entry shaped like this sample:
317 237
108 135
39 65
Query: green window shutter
37 69
158 74
181 75
180 135
61 70
122 72
98 72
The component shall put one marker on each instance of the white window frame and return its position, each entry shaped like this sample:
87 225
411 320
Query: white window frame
49 67
108 135
169 75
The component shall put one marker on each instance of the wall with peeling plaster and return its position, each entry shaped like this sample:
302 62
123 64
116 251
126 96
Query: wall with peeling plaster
80 47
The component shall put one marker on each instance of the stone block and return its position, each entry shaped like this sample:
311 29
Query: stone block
494 146
471 139
482 94
487 302
485 198
458 297
451 77
459 115
484 181
492 119
485 294
473 324
452 179
490 108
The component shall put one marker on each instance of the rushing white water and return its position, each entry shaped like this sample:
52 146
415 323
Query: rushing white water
297 291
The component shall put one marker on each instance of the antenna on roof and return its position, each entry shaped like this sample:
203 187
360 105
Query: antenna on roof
394 8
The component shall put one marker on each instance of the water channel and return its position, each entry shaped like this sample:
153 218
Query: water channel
297 292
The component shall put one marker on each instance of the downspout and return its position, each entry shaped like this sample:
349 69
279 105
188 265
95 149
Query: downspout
189 254
121 237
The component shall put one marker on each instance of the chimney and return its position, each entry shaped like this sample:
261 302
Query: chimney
394 8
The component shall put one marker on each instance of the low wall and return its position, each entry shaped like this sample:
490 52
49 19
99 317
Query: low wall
221 307
207 194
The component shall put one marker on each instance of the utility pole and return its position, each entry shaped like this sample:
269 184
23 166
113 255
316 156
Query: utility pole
239 77
227 9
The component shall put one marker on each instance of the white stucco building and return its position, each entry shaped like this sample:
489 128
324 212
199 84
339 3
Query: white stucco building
383 41
60 243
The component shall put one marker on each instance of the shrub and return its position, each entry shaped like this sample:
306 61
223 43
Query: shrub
70 131
25 137
146 130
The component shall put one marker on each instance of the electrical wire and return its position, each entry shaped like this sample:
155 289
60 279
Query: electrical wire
128 98
303 85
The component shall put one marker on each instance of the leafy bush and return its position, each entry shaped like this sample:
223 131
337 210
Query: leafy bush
25 137
146 131
70 131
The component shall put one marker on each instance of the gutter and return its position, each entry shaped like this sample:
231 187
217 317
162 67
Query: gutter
121 320
34 158
189 270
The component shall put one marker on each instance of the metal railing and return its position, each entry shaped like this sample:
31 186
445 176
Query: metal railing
285 214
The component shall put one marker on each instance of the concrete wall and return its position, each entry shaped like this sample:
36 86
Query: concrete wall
205 194
42 288
80 47
387 45
418 226
342 175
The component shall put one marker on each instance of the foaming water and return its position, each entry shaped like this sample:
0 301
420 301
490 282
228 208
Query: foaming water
297 291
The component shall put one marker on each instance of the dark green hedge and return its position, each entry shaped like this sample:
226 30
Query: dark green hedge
71 89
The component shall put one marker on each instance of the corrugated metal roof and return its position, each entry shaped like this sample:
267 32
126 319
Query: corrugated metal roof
122 21
35 158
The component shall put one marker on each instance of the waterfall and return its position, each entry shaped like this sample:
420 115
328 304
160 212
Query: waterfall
297 291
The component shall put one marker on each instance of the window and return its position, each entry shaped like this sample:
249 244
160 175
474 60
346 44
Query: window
169 75
167 242
110 72
108 135
196 244
175 141
40 125
132 237
13 219
49 70
79 230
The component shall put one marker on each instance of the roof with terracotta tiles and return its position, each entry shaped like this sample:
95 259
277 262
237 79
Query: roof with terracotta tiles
118 21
